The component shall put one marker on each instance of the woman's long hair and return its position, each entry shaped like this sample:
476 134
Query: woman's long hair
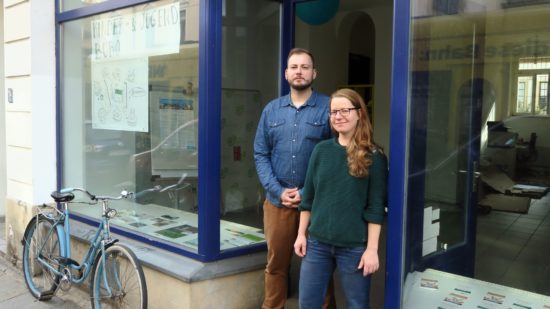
361 146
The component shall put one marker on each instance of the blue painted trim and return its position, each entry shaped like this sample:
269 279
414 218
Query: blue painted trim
96 9
398 154
209 128
229 253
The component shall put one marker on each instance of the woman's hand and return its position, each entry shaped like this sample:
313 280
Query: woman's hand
300 245
369 261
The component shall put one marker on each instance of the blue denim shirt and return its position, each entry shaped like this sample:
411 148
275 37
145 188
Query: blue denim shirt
285 139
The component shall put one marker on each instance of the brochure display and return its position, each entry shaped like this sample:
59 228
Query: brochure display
176 226
437 289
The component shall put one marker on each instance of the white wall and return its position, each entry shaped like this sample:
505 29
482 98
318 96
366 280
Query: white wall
330 44
43 100
30 119
2 117
383 23
524 125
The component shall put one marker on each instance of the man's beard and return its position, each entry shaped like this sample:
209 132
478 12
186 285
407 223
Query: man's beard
300 87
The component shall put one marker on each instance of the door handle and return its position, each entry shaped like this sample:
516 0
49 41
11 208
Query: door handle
476 175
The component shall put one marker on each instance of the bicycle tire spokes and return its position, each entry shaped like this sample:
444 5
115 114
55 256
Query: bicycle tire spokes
114 289
118 281
41 246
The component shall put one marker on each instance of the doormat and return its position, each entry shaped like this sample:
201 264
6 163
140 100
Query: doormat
501 202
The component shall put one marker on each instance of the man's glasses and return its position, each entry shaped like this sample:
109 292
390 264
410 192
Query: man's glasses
343 112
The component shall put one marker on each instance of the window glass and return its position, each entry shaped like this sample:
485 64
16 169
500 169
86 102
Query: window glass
250 78
532 88
524 96
67 5
541 99
129 109
472 241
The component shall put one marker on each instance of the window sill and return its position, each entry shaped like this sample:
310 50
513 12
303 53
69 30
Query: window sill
177 266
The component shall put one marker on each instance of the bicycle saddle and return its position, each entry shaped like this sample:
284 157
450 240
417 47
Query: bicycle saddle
62 197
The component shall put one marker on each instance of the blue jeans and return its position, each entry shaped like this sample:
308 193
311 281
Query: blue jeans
317 267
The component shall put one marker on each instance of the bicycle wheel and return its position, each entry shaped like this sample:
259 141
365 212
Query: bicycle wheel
118 281
41 239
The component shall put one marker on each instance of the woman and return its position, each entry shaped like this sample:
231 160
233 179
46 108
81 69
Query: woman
342 207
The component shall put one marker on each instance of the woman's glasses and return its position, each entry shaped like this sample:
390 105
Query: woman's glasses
344 112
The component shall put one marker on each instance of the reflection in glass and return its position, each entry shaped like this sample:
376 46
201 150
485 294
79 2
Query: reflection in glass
130 115
250 78
479 66
524 97
541 99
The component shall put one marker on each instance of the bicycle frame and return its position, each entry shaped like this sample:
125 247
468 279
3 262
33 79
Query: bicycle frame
100 241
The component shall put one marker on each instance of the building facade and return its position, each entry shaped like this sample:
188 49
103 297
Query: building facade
163 98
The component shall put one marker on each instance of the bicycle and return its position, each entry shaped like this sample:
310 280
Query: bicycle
117 279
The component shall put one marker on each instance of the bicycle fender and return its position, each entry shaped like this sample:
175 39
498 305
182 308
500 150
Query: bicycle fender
59 229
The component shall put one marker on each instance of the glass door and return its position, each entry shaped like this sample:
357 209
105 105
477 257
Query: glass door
446 102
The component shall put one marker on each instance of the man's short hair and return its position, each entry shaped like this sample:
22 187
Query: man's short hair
298 50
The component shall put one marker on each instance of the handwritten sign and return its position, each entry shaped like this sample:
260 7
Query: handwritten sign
154 31
120 95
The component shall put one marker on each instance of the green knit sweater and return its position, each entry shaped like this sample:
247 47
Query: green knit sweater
340 204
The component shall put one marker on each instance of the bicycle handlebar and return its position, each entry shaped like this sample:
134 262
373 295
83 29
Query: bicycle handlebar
123 194
128 194
158 188
140 194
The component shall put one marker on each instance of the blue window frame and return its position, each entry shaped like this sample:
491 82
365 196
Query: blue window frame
209 127
399 148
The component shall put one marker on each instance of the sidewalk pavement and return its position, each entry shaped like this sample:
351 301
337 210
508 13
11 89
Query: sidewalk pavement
14 293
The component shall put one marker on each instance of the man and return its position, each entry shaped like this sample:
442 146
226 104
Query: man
289 128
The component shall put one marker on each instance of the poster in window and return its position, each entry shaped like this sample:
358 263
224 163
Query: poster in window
174 136
120 95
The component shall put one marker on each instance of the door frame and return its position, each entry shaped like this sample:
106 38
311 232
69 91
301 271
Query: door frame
399 254
398 159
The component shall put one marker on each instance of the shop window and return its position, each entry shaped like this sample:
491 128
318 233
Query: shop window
524 96
250 79
519 3
448 7
129 110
